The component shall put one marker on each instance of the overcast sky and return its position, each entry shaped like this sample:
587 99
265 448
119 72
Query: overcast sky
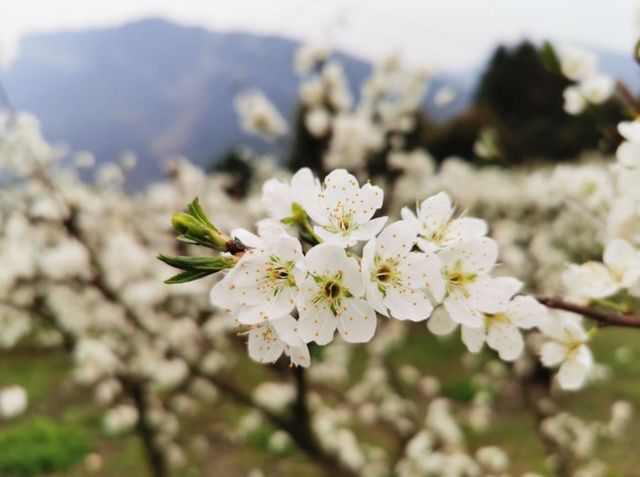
447 34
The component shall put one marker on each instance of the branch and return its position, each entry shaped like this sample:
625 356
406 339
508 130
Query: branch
627 96
155 457
603 318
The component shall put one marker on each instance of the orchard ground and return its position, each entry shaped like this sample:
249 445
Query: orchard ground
74 423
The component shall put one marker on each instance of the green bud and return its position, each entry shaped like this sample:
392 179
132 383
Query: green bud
184 223
193 230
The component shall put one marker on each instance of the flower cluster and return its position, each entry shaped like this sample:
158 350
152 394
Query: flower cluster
304 263
589 87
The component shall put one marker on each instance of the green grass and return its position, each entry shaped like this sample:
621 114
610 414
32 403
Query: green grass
39 446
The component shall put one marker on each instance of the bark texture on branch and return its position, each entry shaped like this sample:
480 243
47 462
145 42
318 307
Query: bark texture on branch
603 318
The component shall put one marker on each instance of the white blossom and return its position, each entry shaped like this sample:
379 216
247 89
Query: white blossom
397 278
567 348
120 419
574 101
264 283
597 89
470 291
259 116
436 227
279 197
575 63
267 341
343 210
13 401
332 297
620 269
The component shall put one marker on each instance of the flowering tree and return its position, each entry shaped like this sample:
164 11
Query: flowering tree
335 275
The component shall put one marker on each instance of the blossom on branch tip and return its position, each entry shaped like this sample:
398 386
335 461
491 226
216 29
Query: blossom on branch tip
435 226
620 269
566 347
278 197
267 341
264 283
501 330
332 297
470 291
397 278
343 210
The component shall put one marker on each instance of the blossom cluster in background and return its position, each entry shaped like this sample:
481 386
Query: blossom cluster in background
376 256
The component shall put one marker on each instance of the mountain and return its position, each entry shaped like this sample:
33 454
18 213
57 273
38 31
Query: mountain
155 88
151 87
161 89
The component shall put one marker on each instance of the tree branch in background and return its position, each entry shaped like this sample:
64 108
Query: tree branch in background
603 318
628 97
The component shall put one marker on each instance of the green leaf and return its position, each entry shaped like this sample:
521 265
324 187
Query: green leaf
197 211
214 264
549 57
188 276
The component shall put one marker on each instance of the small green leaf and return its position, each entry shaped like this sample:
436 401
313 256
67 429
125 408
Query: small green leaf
188 276
197 211
214 264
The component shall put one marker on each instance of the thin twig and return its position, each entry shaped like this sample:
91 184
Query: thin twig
603 318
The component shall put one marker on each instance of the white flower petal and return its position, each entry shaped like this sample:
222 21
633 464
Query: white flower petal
465 229
357 321
299 355
407 304
318 326
506 340
475 256
491 295
461 311
591 279
628 154
440 323
630 130
525 312
277 198
264 344
473 338
222 298
552 354
435 212
368 230
287 329
396 239
572 375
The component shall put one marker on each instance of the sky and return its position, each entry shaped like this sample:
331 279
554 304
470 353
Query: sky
442 34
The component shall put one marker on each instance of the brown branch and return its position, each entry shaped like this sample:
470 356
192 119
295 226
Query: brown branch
156 458
535 389
603 318
628 97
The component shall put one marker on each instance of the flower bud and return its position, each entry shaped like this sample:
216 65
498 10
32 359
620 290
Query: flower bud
194 230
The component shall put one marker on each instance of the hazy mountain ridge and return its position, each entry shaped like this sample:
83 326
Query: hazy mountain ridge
152 87
161 89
